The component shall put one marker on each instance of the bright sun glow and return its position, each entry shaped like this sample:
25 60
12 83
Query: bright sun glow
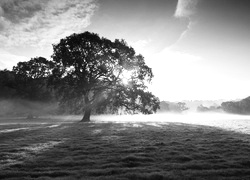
126 76
180 76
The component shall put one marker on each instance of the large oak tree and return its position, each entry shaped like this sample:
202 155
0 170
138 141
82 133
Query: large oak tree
96 70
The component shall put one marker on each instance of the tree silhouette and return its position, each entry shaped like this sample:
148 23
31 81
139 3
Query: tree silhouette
91 70
7 84
31 79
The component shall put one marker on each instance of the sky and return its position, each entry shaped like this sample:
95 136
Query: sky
197 49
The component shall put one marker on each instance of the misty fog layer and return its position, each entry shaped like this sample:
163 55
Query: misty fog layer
237 123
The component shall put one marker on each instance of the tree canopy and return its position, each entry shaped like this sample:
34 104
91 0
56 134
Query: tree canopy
90 70
31 79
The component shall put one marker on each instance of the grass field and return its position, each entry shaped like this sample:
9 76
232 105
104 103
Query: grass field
136 151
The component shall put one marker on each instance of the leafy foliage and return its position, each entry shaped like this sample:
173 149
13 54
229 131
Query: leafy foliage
87 73
7 84
24 90
92 70
31 79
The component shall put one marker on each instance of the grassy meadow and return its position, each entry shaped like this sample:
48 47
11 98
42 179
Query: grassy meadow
134 151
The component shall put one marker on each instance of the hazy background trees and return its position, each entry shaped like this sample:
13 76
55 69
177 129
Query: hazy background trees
237 107
174 107
214 108
25 91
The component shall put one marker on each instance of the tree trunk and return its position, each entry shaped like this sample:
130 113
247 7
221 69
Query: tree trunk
87 109
86 117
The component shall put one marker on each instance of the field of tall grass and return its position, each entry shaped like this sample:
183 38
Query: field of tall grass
134 151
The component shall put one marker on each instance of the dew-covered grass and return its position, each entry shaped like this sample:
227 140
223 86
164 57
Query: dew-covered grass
127 150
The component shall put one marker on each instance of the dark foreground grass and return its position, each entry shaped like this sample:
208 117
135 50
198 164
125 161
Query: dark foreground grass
123 151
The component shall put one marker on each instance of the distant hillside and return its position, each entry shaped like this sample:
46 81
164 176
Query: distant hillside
167 106
237 107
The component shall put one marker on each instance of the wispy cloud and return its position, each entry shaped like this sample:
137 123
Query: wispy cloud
185 8
40 23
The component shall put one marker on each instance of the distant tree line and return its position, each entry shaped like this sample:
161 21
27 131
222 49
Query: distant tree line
237 107
24 89
173 107
214 108
234 107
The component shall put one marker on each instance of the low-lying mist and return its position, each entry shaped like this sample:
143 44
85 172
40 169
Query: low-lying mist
239 123
20 107
169 117
47 112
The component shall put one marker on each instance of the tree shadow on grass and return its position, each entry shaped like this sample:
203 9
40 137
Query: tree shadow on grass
171 151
